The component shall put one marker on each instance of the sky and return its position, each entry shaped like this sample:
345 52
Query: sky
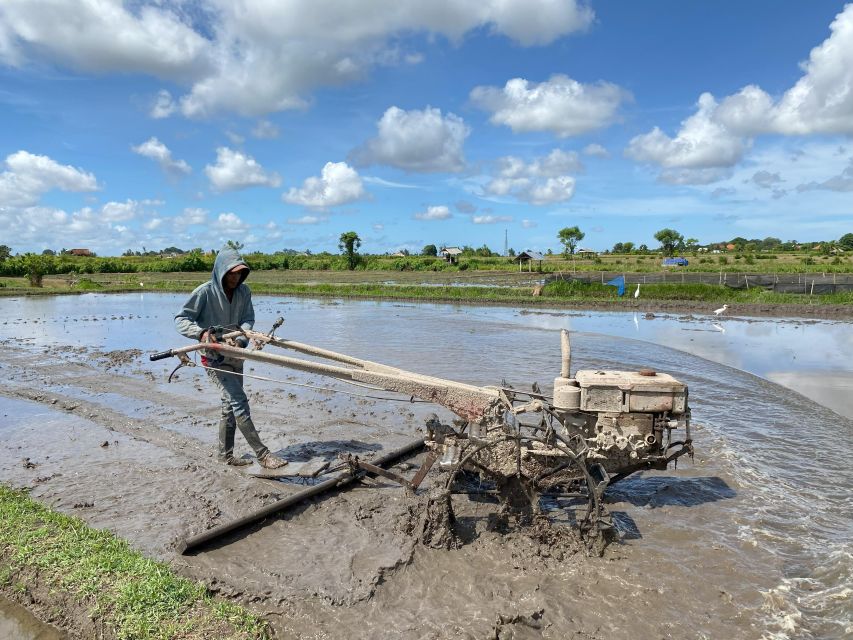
147 124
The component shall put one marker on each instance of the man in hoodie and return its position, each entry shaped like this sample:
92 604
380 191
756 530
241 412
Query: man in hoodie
225 302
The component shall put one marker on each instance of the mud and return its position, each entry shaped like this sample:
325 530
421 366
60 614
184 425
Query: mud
745 542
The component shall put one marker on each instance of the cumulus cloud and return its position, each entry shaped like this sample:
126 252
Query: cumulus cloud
528 224
97 36
190 216
542 181
163 106
230 223
259 57
156 150
560 105
306 220
338 184
490 219
28 176
236 170
718 134
439 212
596 150
265 130
701 143
416 141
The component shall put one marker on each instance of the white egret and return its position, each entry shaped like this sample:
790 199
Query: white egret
721 310
637 292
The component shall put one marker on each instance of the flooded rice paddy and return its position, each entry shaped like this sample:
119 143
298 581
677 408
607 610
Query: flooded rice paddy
750 540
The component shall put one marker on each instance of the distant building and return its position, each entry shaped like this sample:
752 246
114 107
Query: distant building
450 254
399 254
79 252
528 257
586 252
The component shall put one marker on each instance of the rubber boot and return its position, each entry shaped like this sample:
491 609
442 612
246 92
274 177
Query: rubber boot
227 427
247 428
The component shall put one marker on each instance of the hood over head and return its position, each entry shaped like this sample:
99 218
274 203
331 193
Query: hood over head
227 259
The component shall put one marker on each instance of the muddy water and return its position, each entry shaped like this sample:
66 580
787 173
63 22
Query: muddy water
751 540
16 623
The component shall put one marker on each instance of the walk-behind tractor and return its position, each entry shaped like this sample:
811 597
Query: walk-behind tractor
596 428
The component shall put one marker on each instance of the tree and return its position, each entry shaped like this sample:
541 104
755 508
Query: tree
619 248
510 252
235 245
628 247
349 244
48 252
37 266
570 236
670 240
845 242
5 252
429 250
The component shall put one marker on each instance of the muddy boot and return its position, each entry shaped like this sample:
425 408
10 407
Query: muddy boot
227 427
269 461
231 461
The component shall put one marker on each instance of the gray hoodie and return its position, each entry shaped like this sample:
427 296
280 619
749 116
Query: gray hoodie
208 305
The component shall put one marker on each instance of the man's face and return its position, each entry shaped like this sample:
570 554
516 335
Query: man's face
232 278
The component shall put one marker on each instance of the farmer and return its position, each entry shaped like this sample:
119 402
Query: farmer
224 303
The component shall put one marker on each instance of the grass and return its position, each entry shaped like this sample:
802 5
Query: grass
136 597
433 287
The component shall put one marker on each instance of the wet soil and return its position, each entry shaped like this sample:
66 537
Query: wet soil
92 438
744 542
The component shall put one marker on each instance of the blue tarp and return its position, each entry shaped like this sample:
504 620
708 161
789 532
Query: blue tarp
619 283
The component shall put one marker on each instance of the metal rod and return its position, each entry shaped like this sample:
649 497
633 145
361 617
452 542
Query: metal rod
341 480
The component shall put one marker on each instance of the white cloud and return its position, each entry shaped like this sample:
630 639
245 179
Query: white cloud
306 220
235 138
156 150
416 141
490 219
100 36
265 130
29 176
259 57
338 184
120 211
236 170
717 135
701 143
378 227
190 216
542 181
596 150
230 223
388 183
439 212
528 224
560 105
163 106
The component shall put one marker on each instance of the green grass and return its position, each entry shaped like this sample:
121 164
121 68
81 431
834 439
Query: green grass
410 286
136 597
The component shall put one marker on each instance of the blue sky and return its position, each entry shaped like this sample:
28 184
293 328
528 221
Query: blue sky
284 124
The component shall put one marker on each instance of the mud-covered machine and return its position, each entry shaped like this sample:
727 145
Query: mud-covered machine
596 428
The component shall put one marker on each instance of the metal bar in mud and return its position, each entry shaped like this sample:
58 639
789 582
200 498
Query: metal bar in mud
340 480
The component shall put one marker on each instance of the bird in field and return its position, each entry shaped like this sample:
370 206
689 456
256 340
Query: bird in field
637 292
721 310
